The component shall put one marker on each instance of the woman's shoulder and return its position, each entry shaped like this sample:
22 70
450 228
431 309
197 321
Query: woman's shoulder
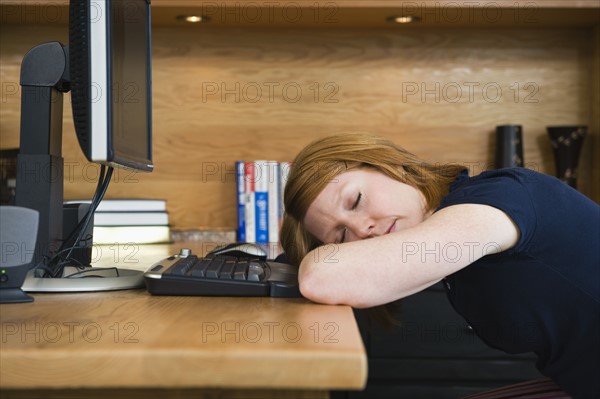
511 190
512 185
519 185
492 187
522 176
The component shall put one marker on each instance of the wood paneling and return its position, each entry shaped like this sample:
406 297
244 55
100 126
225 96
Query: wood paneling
226 94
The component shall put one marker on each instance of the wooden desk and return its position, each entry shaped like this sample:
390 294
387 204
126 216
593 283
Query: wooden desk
132 340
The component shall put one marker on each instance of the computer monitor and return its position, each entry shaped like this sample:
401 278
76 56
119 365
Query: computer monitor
110 62
107 67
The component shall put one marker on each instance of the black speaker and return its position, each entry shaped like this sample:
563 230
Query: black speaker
18 234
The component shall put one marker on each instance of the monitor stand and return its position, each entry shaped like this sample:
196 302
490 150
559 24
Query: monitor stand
100 280
40 169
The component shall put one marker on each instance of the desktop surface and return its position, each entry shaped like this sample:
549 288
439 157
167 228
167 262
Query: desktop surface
131 339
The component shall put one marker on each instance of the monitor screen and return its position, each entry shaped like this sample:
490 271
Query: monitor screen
110 68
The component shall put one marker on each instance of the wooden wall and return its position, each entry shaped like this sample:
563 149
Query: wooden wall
226 94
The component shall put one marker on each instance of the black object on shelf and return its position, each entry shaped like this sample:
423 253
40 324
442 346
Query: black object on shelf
509 146
567 142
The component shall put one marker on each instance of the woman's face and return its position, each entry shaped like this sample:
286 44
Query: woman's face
363 203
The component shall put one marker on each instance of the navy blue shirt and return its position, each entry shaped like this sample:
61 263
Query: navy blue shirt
542 295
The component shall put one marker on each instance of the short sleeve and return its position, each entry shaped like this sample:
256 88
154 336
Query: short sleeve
503 189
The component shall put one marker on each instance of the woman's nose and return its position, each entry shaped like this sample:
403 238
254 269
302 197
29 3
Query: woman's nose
360 228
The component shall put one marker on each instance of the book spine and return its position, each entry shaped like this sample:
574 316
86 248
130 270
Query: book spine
240 169
131 218
104 235
273 195
261 201
126 205
249 211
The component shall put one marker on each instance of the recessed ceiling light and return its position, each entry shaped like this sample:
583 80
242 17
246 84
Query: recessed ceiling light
192 18
404 19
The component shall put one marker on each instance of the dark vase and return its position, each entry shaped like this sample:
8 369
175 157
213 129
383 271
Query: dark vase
509 146
567 142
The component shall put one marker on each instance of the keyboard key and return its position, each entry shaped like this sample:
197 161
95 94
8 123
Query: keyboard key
182 266
255 272
212 271
241 270
199 269
227 269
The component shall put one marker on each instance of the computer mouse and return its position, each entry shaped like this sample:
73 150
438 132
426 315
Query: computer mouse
241 250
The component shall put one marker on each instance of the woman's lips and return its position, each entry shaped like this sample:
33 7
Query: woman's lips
391 228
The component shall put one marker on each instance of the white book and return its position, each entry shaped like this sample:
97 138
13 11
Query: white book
127 205
261 186
131 218
131 234
273 195
240 179
249 210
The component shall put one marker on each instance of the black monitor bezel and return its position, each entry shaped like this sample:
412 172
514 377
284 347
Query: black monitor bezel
81 42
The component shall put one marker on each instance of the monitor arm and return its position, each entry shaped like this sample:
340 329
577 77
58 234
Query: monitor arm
44 79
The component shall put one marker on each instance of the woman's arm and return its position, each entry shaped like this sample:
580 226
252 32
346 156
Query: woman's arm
383 269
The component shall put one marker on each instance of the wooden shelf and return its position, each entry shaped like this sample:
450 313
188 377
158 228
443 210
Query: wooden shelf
391 3
338 14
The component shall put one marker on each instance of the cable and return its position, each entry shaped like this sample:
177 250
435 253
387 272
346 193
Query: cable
79 226
95 269
93 206
54 267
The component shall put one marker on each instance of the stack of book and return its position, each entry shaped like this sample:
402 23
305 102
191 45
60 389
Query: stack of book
260 187
140 221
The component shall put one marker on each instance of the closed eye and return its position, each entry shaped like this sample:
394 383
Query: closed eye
354 206
358 198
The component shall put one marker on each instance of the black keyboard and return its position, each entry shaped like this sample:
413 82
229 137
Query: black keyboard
221 275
